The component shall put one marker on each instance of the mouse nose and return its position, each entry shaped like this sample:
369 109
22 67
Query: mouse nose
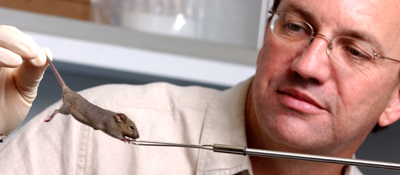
135 135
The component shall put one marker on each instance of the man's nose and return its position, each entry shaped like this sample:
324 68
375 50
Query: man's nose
313 62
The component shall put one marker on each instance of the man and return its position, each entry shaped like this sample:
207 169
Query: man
308 101
328 72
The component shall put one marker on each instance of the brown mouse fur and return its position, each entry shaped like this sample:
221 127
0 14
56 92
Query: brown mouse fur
117 125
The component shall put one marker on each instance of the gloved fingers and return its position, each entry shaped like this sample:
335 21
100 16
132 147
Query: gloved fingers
20 80
41 60
28 75
14 40
9 59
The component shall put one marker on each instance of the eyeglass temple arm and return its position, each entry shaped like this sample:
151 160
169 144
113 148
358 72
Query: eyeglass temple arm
379 56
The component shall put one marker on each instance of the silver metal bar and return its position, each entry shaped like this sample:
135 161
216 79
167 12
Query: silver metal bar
274 154
325 159
305 157
153 143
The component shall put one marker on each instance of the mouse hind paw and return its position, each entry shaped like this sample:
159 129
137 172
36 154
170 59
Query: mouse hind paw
51 116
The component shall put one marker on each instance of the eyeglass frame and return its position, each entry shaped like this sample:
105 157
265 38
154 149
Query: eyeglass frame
313 35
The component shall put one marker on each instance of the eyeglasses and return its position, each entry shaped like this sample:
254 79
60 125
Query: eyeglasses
346 51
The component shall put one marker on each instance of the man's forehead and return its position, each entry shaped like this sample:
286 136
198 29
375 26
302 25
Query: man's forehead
339 9
371 20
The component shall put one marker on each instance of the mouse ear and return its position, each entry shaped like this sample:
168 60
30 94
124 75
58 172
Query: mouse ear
120 118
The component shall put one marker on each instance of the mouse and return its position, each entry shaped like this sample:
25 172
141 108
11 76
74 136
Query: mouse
117 125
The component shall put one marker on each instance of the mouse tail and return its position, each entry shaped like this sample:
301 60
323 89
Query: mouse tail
56 72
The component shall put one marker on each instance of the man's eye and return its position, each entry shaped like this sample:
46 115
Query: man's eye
354 52
294 27
357 54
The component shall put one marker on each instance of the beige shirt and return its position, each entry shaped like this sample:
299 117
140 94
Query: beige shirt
162 112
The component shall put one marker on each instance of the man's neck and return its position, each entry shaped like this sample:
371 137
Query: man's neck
273 166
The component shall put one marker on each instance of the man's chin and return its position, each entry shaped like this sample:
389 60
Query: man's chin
302 139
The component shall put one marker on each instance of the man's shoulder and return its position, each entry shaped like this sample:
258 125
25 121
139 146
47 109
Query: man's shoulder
153 95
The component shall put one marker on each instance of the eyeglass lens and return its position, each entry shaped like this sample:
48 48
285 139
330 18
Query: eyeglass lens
346 51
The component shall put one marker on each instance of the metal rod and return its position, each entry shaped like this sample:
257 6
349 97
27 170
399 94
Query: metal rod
153 143
274 154
305 157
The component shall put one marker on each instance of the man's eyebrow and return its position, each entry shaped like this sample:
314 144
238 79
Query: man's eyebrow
299 11
364 36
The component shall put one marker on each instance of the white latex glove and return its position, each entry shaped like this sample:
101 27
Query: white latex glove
19 80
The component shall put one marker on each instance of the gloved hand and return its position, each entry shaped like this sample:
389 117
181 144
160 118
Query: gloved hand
22 64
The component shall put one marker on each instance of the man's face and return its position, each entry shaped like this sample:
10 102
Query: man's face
304 99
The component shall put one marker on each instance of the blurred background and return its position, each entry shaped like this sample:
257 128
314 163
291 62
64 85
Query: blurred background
210 43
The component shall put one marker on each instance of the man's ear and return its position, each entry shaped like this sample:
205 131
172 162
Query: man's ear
392 112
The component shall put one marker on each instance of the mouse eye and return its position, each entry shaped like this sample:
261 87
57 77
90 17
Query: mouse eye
132 127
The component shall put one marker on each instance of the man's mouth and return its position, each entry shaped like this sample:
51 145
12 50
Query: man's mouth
300 101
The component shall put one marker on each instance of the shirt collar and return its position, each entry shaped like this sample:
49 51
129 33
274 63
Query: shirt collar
225 124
